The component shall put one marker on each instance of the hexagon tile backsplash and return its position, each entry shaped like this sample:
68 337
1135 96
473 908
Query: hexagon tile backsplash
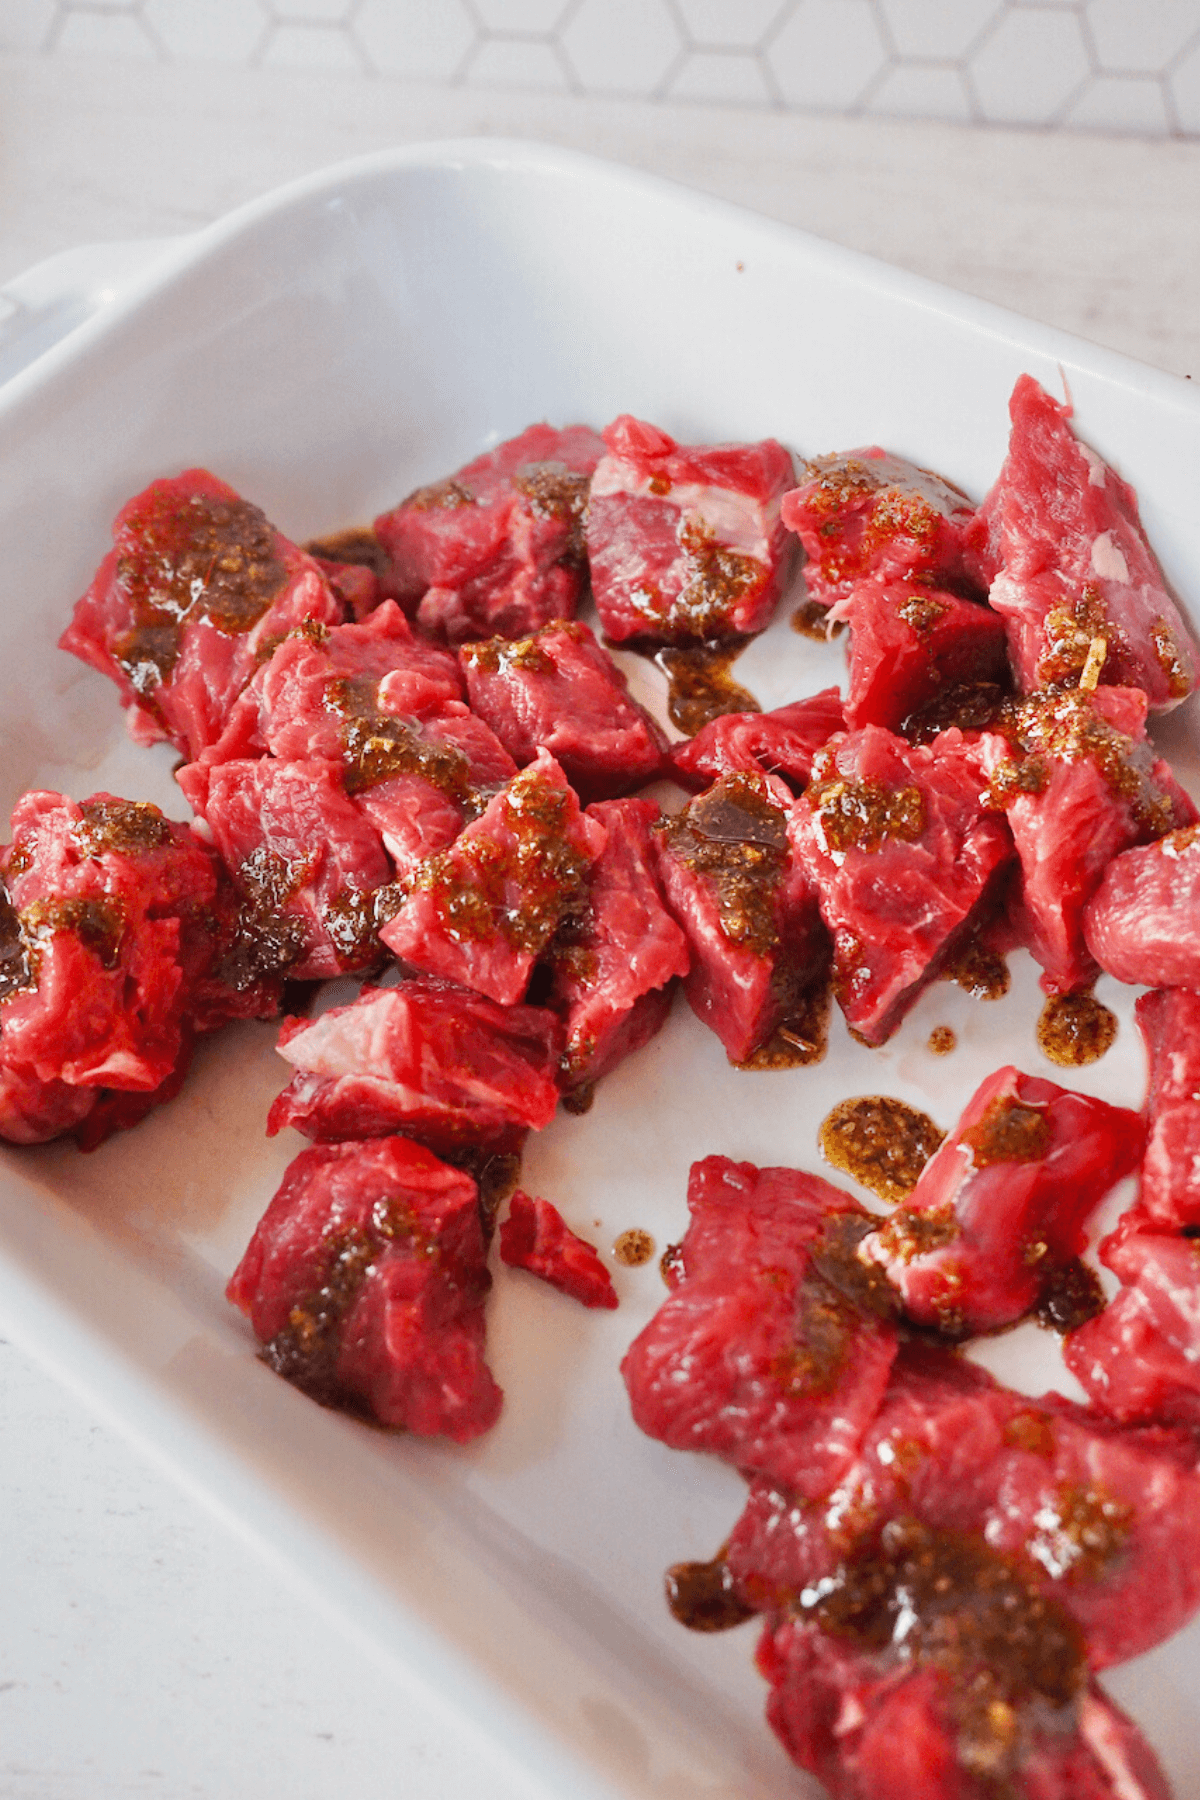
1107 65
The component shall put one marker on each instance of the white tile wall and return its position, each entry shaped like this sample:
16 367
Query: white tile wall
1106 65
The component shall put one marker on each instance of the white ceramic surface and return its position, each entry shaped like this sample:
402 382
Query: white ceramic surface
325 351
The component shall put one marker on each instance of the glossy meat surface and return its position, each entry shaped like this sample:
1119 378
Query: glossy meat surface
560 690
754 1356
365 1283
909 643
998 1212
536 1237
905 860
443 1065
685 542
496 549
180 612
781 743
1061 533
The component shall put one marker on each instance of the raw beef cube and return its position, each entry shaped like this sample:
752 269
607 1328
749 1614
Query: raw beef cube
781 743
561 691
924 1691
1104 1518
754 1355
615 957
685 542
997 1214
307 864
435 1062
905 862
106 901
482 912
750 916
1061 532
365 1283
180 612
1139 1360
1078 783
1143 922
909 644
497 549
1169 1021
864 514
536 1237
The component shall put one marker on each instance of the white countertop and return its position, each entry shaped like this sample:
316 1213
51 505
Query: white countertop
144 1650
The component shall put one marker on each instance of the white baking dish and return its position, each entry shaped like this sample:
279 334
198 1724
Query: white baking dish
325 351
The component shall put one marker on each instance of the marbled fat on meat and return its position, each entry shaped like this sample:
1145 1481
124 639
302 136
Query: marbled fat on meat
180 612
496 550
438 1063
754 1356
365 1283
685 542
1061 536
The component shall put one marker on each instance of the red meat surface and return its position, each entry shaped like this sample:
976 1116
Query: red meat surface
496 550
1060 531
307 864
365 1283
1169 1021
905 862
34 1111
560 690
909 643
1139 1360
1142 924
482 912
754 1355
750 916
864 514
997 1213
385 706
615 958
104 923
782 743
440 1064
182 609
536 1237
1104 1519
902 1708
685 542
1078 783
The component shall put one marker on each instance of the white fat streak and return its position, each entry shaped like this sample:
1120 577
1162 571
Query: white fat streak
737 521
1097 467
1108 560
1097 1729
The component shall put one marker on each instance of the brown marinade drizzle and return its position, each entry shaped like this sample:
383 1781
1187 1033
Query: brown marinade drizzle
1008 1132
1075 1029
736 838
205 558
699 685
864 815
378 745
882 1142
702 1596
